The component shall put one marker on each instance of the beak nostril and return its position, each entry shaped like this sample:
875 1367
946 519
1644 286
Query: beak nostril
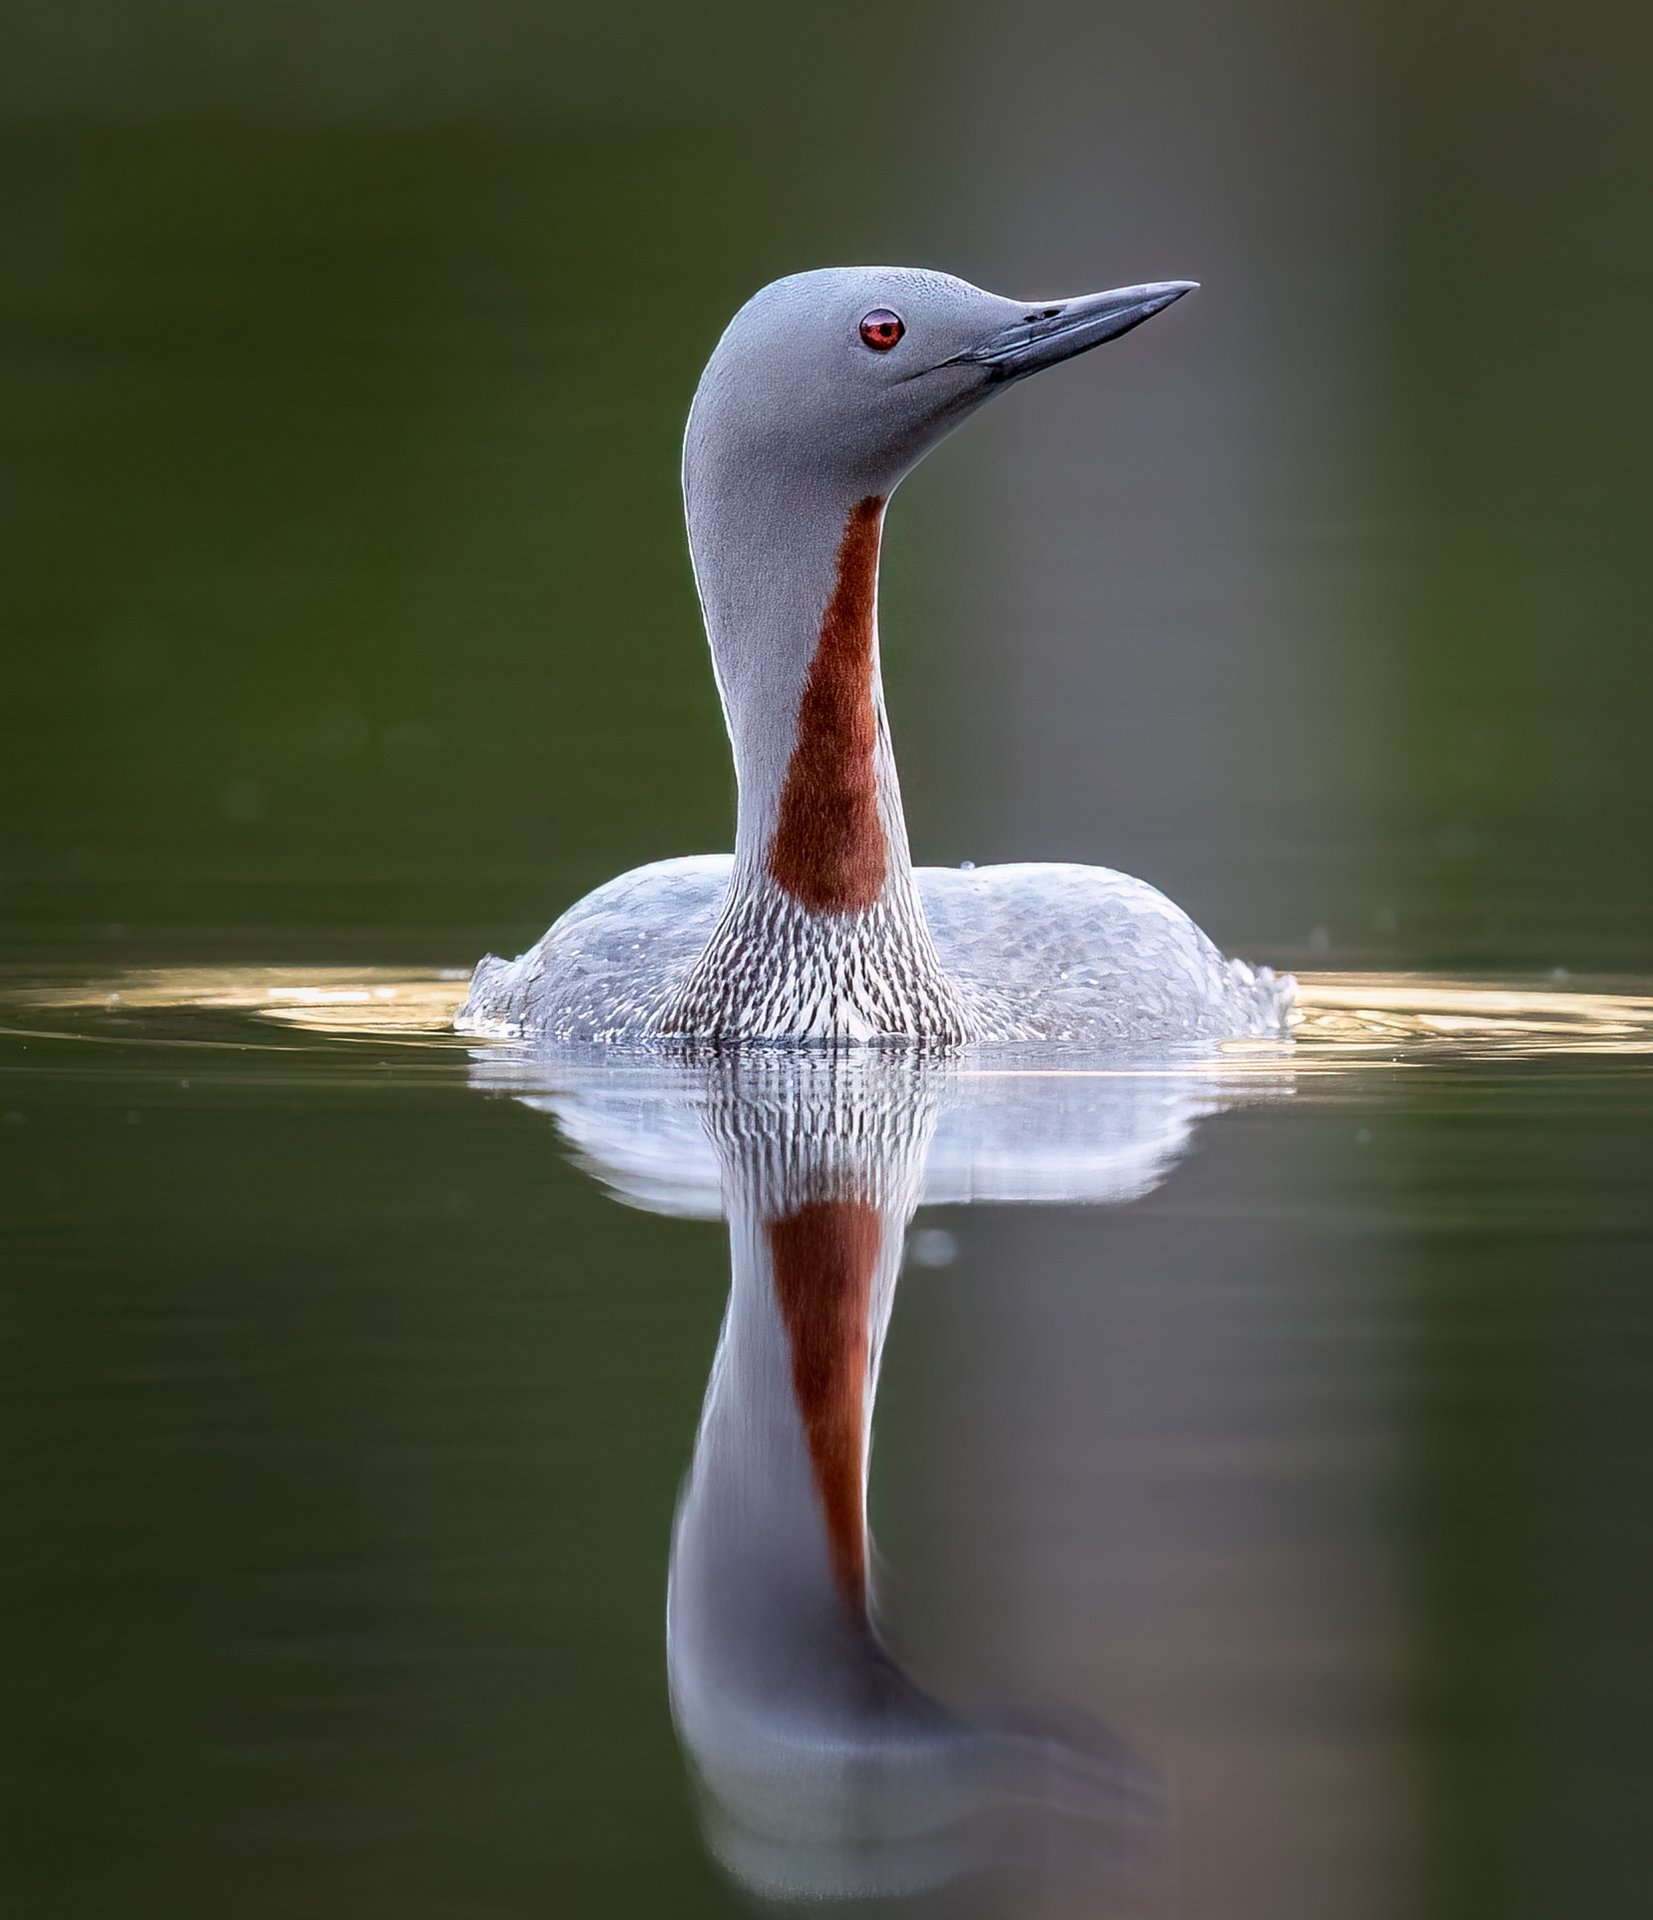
1045 335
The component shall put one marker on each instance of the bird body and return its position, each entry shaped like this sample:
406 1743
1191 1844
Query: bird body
1051 951
826 389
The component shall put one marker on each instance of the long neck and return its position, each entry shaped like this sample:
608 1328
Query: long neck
770 1636
789 588
823 1766
770 1557
823 934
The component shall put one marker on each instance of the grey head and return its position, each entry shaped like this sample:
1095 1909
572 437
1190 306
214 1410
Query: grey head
824 391
856 372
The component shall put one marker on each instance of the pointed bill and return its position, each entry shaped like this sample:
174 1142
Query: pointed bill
1063 328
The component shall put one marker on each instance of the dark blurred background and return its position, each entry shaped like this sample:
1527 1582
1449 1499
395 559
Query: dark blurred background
344 353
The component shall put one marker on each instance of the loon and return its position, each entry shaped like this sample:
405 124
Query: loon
825 390
824 1765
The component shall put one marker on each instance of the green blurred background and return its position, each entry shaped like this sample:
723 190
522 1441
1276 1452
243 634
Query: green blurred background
344 351
345 616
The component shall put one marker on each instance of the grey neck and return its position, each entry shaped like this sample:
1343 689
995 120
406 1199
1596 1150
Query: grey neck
822 934
770 1637
766 563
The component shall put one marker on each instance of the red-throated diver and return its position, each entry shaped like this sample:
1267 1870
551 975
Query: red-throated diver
824 1768
825 390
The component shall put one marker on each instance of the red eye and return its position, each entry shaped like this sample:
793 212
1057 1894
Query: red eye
881 329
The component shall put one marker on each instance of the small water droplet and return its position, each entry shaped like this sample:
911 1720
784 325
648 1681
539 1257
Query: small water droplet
933 1247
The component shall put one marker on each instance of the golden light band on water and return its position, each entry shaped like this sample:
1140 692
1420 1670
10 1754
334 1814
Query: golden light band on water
1344 1012
1341 1019
351 1002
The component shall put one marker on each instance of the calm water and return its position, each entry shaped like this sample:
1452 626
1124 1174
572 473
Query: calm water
1270 1443
1263 1442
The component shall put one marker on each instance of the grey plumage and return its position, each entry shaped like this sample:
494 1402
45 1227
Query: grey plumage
1053 952
796 428
824 1769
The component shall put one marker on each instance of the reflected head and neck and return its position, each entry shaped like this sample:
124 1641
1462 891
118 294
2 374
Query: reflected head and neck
824 392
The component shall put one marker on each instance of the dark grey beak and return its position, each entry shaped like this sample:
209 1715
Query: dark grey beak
1065 327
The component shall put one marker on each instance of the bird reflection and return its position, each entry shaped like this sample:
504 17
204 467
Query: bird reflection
823 1768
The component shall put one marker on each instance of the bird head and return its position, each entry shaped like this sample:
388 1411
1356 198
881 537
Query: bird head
852 374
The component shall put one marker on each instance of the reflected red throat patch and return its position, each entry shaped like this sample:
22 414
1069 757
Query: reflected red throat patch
828 851
823 1254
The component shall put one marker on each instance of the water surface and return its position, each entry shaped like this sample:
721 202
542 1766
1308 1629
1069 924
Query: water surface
1261 1440
1302 1471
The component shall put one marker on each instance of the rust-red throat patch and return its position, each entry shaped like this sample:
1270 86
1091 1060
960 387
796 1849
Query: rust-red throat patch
824 1254
828 851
